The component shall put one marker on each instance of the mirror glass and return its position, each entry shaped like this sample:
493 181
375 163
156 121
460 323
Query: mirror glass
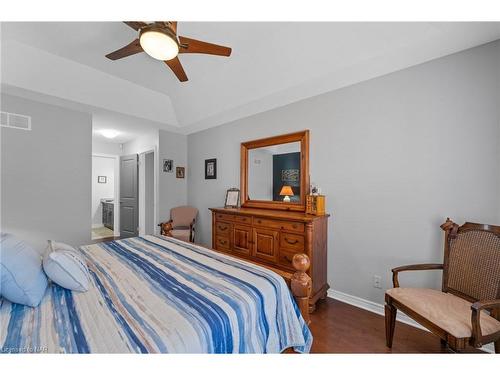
274 173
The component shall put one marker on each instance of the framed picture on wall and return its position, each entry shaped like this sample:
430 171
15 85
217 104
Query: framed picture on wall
210 169
168 165
101 179
179 172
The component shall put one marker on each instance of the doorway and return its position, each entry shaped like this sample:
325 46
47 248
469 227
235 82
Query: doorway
105 188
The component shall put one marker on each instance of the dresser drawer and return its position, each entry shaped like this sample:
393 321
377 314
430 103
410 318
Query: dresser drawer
222 228
285 258
225 217
243 219
222 243
278 224
292 242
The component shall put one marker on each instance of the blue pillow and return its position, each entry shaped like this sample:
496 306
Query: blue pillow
22 279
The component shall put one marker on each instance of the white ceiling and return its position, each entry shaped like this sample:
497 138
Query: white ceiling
272 64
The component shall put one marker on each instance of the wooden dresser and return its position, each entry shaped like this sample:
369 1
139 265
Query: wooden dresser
272 238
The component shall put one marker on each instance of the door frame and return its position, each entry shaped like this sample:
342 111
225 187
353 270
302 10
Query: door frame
116 208
141 188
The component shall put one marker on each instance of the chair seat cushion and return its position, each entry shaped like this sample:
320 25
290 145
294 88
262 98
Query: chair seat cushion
180 234
445 310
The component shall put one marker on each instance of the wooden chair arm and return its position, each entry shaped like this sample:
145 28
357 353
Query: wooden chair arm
165 222
413 267
191 231
477 337
486 305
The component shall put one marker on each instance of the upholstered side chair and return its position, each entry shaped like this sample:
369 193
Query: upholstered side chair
467 309
181 224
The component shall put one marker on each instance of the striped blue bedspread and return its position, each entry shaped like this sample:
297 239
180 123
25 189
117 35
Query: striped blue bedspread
155 294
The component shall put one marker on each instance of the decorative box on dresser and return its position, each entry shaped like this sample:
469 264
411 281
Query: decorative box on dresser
272 238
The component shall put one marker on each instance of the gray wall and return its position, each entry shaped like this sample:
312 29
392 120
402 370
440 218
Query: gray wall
394 155
106 148
46 174
173 191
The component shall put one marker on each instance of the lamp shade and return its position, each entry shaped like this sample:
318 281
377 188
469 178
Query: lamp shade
159 44
286 190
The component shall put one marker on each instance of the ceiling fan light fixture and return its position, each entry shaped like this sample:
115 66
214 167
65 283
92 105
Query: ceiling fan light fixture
159 44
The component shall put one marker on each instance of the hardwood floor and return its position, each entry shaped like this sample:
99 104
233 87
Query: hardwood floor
98 240
341 328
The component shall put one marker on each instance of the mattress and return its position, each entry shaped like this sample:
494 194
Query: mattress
155 294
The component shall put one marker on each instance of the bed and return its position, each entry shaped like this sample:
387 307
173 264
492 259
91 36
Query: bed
156 294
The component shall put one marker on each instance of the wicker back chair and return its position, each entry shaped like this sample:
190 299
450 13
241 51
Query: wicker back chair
471 286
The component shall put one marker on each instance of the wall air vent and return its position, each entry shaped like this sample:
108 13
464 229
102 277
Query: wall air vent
14 120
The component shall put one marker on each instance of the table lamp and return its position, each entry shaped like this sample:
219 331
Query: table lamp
286 191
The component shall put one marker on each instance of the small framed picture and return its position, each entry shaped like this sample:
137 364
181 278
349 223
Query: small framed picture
210 169
168 165
232 198
179 172
101 179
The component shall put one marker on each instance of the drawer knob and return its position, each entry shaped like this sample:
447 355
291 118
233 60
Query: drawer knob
222 228
291 242
288 259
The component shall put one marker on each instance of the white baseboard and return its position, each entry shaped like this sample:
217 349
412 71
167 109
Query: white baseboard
378 309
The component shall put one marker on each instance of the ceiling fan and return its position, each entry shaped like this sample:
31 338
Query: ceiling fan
160 41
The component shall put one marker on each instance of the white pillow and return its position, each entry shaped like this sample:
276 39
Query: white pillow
66 266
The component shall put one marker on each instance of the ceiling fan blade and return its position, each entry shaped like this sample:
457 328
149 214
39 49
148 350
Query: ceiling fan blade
173 26
177 68
130 49
197 46
136 25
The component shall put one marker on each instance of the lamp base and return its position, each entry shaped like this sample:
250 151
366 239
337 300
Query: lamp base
286 199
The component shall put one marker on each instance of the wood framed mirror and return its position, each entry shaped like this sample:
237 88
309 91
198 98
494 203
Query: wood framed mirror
274 172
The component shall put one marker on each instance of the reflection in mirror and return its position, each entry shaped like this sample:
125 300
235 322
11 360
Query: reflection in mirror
274 173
